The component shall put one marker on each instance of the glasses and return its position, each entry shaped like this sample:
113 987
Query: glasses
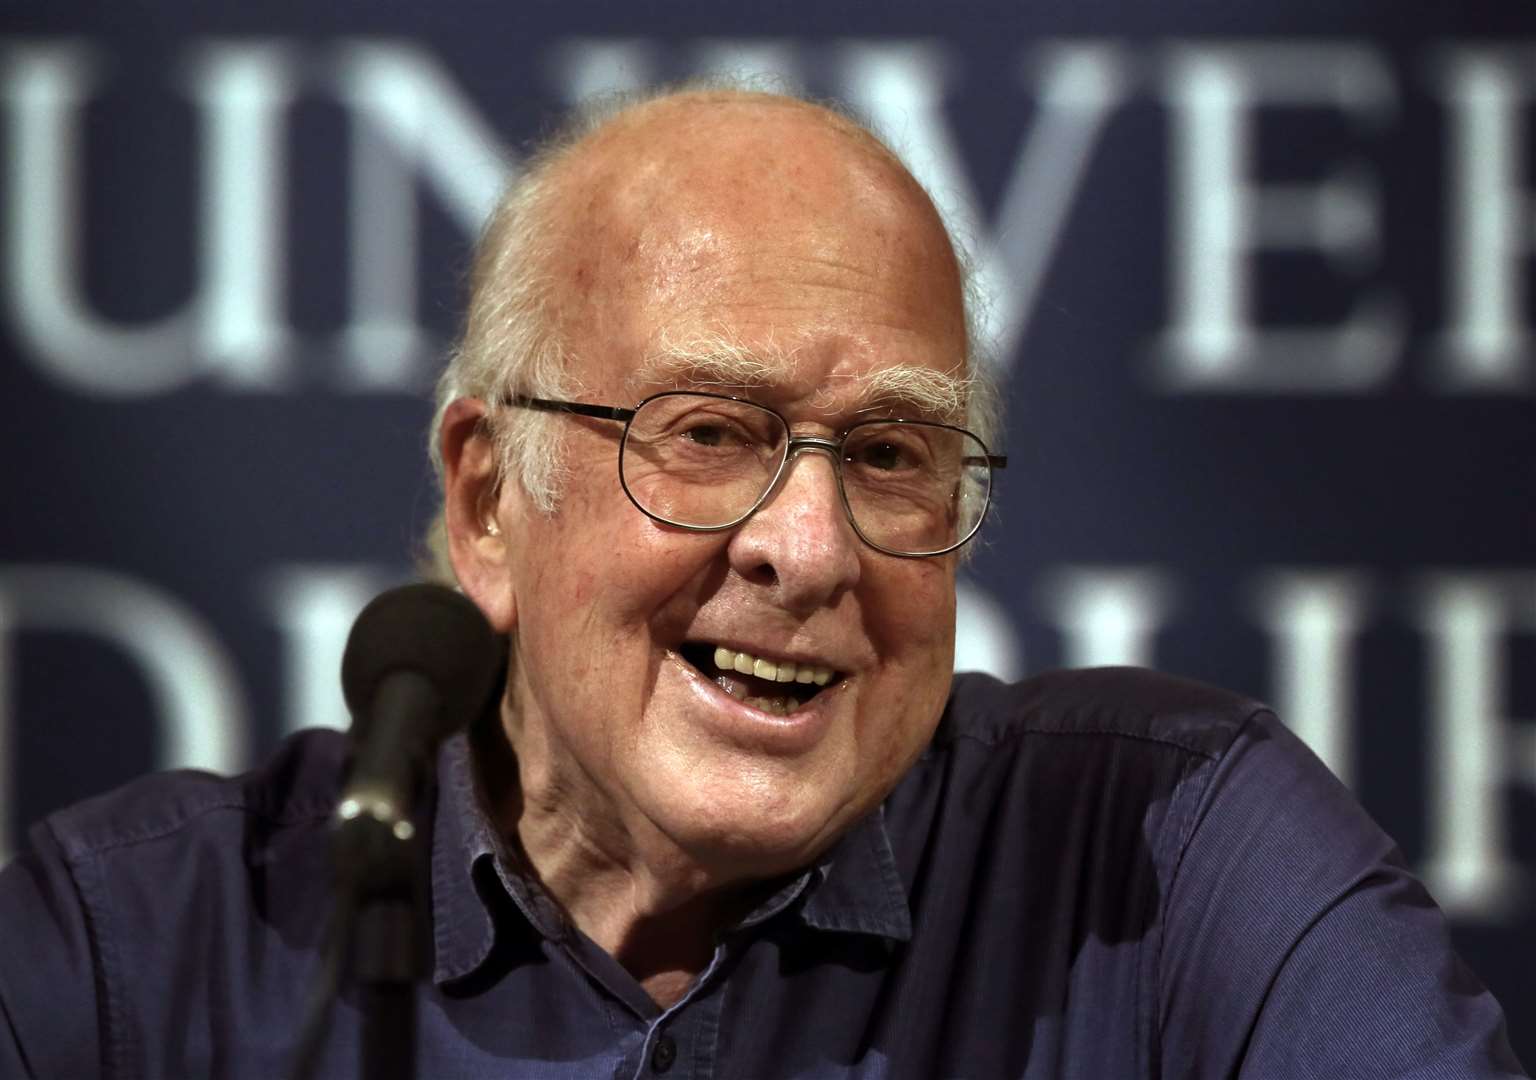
706 462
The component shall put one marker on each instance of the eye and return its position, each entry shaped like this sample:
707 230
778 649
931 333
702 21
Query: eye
710 435
700 426
889 450
883 455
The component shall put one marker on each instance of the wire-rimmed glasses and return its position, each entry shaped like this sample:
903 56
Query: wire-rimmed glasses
706 462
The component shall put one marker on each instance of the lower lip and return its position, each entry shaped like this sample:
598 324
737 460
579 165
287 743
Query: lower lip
745 725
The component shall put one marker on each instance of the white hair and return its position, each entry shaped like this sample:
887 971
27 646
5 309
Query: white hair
719 360
511 342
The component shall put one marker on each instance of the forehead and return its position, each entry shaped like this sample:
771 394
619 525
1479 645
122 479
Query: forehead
777 378
760 247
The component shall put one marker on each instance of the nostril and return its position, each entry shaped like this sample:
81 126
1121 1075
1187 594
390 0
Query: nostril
765 574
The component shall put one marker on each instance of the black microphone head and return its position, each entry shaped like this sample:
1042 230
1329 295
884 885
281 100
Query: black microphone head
432 631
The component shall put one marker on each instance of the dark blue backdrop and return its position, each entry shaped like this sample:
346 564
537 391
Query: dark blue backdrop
1262 278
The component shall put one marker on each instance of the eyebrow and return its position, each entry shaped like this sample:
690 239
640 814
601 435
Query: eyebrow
717 361
713 362
926 390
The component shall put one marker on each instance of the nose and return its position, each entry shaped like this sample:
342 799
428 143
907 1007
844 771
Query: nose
800 542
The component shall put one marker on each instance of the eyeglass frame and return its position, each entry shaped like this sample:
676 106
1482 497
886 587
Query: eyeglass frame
794 445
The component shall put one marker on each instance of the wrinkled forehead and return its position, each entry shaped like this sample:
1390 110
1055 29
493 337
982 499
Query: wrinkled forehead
740 245
779 377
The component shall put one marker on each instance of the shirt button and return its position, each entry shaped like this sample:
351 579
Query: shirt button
663 1054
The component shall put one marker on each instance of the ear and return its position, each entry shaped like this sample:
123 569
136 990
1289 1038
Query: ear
477 535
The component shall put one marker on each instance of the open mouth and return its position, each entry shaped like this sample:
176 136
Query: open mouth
774 686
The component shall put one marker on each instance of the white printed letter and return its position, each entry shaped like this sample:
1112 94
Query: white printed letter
191 679
1220 217
234 323
1492 224
1474 748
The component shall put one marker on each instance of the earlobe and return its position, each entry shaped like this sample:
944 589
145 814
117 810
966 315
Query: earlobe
472 511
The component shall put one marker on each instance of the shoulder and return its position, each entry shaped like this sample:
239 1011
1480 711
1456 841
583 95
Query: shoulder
1119 760
297 785
1112 702
116 907
1156 750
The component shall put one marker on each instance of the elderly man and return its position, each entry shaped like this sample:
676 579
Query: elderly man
709 448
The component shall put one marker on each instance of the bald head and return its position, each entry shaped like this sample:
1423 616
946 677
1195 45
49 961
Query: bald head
651 206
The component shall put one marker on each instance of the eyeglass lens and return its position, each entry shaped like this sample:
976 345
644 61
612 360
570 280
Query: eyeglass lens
704 461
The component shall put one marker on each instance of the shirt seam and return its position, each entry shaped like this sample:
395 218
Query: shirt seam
710 1025
85 849
1151 1043
86 872
1186 837
1187 826
116 1039
1138 736
9 1030
1324 910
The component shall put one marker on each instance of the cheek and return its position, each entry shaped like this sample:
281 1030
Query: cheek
912 622
622 573
914 617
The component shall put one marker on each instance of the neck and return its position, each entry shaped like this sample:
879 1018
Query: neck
646 904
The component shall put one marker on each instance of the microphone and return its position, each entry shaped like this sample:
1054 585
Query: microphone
419 663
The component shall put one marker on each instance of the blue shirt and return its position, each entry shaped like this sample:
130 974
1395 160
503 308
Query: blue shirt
1100 874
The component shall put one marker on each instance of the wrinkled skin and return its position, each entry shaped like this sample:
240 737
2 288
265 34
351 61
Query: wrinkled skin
644 792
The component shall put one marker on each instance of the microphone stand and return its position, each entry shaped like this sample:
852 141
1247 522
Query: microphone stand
387 947
378 938
380 863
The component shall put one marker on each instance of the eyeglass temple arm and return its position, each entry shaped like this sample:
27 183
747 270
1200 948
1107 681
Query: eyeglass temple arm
613 412
602 412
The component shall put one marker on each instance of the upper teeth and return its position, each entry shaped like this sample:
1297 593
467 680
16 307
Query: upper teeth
772 670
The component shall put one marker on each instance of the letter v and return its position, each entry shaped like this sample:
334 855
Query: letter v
1077 84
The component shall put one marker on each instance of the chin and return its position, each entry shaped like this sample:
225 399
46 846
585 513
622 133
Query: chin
749 823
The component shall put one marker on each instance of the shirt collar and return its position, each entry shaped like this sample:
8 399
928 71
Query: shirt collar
857 888
854 888
462 930
473 875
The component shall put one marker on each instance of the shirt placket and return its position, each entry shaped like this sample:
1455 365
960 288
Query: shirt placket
681 1043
